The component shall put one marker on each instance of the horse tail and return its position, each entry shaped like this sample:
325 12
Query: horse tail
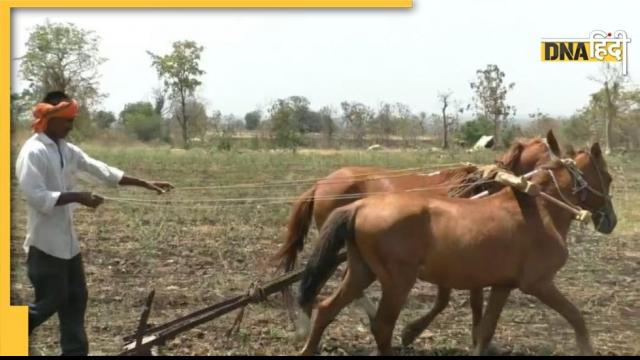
334 234
297 229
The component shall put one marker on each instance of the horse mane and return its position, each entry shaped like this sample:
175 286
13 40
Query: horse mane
466 178
509 160
474 180
551 165
458 173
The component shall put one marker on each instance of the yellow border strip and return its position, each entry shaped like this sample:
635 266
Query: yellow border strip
14 319
212 3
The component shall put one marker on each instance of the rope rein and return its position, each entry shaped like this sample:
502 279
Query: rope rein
273 200
407 171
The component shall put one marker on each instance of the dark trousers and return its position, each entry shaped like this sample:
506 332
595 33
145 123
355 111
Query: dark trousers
60 287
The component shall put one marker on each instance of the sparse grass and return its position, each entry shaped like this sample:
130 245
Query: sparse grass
194 258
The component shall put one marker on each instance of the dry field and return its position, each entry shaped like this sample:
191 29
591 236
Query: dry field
197 253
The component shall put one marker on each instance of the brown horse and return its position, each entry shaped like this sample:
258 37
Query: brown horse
397 238
356 182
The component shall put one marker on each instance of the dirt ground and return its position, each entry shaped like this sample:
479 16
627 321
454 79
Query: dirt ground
197 253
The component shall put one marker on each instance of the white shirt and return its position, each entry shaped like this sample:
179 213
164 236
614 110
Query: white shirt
42 179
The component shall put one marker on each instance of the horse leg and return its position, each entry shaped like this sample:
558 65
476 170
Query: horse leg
395 291
476 302
303 319
366 304
416 327
358 277
487 327
549 294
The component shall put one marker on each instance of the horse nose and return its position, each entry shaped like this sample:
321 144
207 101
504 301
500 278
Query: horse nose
608 222
613 219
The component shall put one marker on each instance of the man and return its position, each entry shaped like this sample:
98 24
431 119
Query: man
45 168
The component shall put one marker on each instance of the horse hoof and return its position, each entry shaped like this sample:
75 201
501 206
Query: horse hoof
479 351
307 352
587 352
409 335
381 353
303 327
492 350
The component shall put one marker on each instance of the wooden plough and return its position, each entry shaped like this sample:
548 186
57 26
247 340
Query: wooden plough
147 337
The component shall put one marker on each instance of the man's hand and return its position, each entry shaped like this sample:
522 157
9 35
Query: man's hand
90 200
84 198
159 186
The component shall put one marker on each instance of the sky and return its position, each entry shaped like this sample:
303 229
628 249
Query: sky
254 56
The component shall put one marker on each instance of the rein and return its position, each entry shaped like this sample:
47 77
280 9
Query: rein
579 186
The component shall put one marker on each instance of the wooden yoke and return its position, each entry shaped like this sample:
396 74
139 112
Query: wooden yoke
521 183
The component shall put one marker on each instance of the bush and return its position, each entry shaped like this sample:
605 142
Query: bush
141 120
224 144
473 130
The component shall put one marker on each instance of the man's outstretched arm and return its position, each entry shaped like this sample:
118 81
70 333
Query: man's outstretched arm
158 186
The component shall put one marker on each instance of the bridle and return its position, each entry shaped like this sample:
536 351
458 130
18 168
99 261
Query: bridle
581 186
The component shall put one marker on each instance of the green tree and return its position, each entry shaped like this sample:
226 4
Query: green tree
307 120
621 107
214 122
141 120
356 116
424 122
382 125
21 106
405 123
490 98
63 57
196 113
607 99
328 124
448 119
180 71
285 125
541 123
83 126
104 119
577 128
252 120
160 102
444 100
627 129
161 109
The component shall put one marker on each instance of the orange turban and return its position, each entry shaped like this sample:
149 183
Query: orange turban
43 111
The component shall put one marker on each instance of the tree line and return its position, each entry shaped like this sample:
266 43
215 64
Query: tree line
65 57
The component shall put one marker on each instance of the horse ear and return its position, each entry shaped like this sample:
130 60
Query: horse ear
553 143
596 151
570 151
